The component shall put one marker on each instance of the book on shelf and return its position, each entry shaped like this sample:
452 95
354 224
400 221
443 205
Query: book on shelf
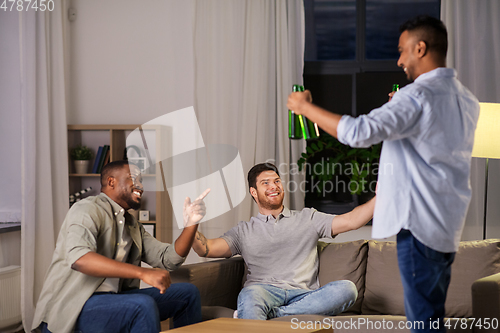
97 160
106 159
105 150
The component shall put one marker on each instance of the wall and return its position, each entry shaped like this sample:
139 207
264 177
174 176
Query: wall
128 64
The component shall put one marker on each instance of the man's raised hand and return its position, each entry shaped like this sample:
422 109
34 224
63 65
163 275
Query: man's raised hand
194 211
297 99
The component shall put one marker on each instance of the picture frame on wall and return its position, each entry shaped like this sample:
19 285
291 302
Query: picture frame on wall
140 162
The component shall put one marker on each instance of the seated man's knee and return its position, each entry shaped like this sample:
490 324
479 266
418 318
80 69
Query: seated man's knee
252 303
193 292
142 303
253 292
189 291
351 290
344 288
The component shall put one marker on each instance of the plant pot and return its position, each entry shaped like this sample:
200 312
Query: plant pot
81 167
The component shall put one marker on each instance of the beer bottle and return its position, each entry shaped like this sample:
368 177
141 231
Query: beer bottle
310 130
294 128
395 87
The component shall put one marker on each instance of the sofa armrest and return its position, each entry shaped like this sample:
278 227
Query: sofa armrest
486 301
219 281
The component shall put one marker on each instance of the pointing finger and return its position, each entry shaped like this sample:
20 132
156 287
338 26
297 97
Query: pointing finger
203 195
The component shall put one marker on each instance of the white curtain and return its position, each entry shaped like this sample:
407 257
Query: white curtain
474 46
43 147
10 137
247 56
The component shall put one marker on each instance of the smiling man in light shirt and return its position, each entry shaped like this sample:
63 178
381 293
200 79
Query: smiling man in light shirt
92 284
428 133
279 247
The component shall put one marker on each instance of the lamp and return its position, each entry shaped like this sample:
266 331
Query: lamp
487 142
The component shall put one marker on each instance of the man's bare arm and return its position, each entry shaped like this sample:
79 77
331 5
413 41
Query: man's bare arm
95 264
203 244
210 248
355 219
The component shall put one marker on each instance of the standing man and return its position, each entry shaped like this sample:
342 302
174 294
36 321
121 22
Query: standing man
92 284
424 191
279 247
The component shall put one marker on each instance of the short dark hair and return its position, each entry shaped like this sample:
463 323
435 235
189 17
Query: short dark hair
432 32
109 169
256 170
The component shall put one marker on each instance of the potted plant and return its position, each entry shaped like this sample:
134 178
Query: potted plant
81 155
339 177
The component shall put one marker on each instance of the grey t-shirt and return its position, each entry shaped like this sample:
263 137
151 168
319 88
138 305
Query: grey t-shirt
281 252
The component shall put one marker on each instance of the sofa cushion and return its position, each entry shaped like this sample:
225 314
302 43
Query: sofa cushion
213 312
219 281
474 260
344 261
384 290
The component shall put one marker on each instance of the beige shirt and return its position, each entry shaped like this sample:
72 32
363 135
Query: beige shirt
122 250
91 226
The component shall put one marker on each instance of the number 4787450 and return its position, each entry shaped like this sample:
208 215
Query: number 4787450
26 5
470 323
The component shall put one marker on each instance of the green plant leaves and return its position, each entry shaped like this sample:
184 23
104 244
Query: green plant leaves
81 153
327 157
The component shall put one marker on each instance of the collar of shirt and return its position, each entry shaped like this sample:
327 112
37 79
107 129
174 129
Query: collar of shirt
270 218
440 71
120 214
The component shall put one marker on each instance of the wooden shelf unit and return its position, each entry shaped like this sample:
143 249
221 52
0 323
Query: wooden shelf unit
93 136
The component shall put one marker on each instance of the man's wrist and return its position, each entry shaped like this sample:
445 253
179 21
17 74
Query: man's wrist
140 272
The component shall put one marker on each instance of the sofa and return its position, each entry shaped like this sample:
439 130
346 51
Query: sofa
472 305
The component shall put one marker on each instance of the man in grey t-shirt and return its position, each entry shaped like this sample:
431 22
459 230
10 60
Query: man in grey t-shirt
279 248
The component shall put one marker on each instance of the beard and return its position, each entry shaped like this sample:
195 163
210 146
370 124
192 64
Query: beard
266 204
129 200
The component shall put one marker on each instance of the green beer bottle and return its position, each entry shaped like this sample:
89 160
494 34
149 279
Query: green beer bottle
310 130
395 87
294 131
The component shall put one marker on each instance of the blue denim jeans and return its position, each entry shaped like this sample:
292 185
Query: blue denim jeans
425 274
263 301
139 310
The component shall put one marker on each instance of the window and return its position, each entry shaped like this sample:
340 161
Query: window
351 64
330 30
351 50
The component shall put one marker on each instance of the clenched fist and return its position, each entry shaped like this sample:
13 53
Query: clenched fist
296 100
158 278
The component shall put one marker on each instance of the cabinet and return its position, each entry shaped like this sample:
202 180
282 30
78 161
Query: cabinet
151 141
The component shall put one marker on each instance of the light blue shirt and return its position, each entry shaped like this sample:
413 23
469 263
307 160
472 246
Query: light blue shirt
428 133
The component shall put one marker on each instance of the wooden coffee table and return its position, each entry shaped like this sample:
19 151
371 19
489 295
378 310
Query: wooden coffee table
243 326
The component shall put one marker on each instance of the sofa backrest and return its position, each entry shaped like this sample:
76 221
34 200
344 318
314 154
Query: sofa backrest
474 260
344 261
384 290
372 266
